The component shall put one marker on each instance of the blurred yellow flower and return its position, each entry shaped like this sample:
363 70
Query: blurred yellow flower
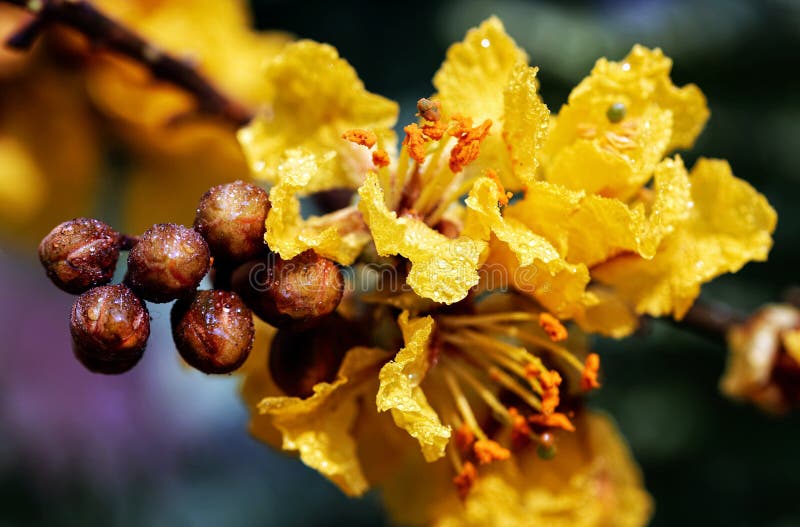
175 155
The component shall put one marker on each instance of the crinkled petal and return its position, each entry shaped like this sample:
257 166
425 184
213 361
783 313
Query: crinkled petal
473 77
318 96
339 236
528 261
615 160
400 390
525 124
606 314
319 427
730 224
589 229
442 269
586 151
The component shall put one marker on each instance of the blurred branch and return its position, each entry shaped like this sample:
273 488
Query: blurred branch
104 32
710 319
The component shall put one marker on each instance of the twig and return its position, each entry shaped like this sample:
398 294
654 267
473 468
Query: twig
104 32
711 319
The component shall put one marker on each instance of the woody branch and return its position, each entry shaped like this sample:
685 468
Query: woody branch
104 32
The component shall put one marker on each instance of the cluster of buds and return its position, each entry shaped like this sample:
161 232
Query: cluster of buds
212 329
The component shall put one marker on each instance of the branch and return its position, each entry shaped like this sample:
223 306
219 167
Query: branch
710 319
104 32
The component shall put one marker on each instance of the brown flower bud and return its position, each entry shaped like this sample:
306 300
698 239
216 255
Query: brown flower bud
167 262
110 326
231 218
80 254
213 330
300 359
296 292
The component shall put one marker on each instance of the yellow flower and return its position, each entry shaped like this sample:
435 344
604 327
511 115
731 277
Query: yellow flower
591 482
727 225
598 232
52 135
315 97
619 123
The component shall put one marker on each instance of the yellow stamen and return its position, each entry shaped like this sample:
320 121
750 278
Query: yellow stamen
461 403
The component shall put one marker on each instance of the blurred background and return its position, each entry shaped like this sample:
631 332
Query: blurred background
164 445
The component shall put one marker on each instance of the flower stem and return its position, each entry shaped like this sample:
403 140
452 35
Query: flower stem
711 319
104 32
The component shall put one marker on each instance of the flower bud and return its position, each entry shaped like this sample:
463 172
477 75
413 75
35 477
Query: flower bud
167 262
764 359
80 254
110 326
231 218
300 359
213 330
296 292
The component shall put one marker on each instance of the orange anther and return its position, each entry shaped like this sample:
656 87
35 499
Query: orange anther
380 158
465 479
487 451
554 328
556 420
550 397
415 142
520 431
464 438
361 137
590 369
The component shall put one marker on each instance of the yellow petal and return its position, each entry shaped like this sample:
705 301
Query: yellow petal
589 229
319 427
591 482
586 228
442 269
606 314
400 390
476 71
317 97
526 260
525 123
258 384
730 223
614 162
339 236
586 151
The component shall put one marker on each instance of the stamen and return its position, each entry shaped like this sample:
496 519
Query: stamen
554 420
469 142
504 196
488 397
589 373
465 479
361 137
380 158
501 377
520 431
560 351
550 380
487 451
464 438
554 328
414 143
476 320
461 403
